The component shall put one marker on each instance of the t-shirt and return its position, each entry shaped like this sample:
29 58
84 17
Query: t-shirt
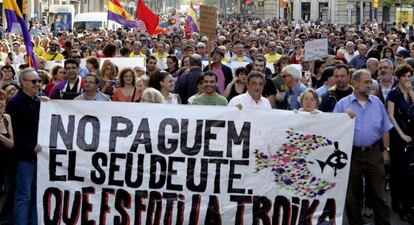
272 58
51 57
158 56
142 55
206 100
38 50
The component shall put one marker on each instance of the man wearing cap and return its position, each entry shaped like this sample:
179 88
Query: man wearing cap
201 50
53 53
272 55
402 54
223 72
291 76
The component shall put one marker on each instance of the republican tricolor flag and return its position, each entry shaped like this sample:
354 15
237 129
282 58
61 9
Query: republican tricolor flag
118 14
191 20
17 25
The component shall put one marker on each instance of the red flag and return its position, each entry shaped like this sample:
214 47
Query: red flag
149 18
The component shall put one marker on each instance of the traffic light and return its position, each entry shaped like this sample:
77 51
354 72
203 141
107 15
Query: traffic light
375 4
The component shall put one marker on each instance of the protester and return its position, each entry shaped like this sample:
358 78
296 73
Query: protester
238 85
223 72
126 91
253 98
399 101
210 96
151 95
185 86
24 111
72 86
58 75
309 101
91 90
163 82
291 75
7 161
368 159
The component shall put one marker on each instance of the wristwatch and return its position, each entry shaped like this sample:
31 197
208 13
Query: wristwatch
387 149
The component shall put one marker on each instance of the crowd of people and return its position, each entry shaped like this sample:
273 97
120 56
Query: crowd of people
367 74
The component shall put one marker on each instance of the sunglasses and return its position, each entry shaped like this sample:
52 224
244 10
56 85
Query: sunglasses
34 81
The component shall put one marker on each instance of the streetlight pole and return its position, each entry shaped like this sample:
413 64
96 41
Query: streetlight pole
361 4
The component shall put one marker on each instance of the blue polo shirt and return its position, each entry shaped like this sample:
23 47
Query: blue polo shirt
371 122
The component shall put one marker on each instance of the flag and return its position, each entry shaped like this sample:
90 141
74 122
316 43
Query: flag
16 24
118 14
191 20
149 18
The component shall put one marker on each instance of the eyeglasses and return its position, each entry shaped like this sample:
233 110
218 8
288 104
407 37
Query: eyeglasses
34 81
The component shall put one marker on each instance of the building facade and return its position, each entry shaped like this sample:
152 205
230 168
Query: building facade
336 11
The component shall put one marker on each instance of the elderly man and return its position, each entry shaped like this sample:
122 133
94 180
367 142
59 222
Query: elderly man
371 131
291 76
201 50
239 53
91 90
372 66
24 110
350 51
253 98
386 79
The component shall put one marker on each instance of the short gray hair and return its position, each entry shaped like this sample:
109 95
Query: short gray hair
196 60
387 61
314 94
357 74
152 95
23 72
372 60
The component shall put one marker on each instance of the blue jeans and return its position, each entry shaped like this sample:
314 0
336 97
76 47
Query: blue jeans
25 208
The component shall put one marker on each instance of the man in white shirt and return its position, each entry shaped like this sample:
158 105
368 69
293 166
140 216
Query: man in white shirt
253 98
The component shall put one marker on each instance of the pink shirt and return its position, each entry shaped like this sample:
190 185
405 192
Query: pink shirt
221 85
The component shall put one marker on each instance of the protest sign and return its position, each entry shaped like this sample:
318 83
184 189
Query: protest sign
208 20
316 49
128 163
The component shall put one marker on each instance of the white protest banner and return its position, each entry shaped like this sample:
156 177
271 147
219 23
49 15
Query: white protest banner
316 49
123 62
129 163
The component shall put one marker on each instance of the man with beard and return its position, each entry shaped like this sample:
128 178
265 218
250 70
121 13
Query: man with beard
210 96
386 79
53 53
337 92
91 90
372 125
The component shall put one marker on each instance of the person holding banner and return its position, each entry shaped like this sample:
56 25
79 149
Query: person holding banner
72 86
253 98
91 90
24 110
126 91
372 126
163 82
210 96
